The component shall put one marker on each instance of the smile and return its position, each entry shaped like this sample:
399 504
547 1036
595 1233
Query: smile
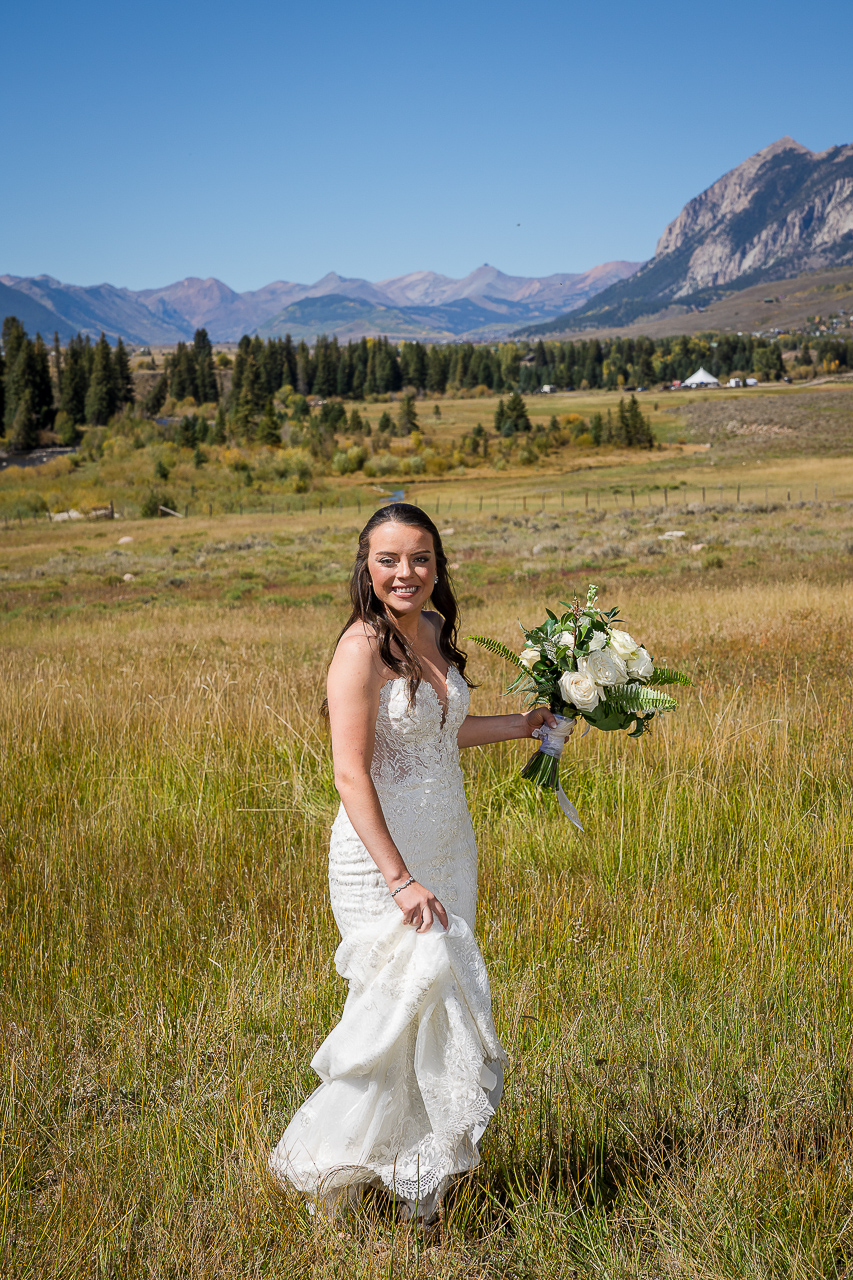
404 591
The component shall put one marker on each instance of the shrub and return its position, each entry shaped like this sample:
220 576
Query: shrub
156 499
66 430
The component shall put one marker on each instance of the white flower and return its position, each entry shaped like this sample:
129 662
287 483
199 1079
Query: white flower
598 641
641 667
578 690
623 644
567 638
604 667
529 656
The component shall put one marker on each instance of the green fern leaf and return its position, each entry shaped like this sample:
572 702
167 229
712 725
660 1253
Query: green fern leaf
500 650
639 699
666 675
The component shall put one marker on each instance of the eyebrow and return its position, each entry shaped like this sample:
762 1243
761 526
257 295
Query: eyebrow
424 551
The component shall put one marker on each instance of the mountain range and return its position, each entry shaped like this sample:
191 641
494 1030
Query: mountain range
423 304
783 211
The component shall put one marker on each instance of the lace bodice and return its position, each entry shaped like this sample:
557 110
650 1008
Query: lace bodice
417 744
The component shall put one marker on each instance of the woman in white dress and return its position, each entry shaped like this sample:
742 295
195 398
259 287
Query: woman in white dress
414 1069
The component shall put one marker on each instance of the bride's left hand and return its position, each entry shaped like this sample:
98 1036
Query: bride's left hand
535 718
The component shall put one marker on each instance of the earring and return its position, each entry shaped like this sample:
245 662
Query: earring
436 579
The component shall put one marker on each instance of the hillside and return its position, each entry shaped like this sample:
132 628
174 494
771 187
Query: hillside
781 306
783 211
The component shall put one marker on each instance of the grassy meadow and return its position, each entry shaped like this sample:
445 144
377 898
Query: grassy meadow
673 987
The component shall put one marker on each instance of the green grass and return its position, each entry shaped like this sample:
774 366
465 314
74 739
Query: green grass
673 987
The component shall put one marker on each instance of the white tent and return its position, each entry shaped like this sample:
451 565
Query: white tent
701 378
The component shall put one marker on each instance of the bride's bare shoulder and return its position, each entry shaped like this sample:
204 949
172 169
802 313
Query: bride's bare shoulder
357 655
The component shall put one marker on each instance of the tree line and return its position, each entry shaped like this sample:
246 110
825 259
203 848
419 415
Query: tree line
56 389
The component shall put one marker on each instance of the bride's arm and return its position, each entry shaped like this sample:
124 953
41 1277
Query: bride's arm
353 688
479 731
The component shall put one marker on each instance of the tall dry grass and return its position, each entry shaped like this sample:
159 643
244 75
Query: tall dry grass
673 987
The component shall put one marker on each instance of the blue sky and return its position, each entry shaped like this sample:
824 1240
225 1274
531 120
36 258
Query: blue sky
254 142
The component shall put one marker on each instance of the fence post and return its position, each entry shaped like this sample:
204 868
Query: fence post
586 498
789 495
319 508
703 495
766 499
186 509
481 502
632 499
524 502
665 497
815 493
738 494
562 499
210 508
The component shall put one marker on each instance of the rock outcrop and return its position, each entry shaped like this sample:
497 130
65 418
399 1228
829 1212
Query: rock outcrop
783 211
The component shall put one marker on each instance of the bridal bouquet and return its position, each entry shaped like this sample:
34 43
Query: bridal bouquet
584 665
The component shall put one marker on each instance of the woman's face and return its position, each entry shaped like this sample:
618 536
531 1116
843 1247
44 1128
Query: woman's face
401 562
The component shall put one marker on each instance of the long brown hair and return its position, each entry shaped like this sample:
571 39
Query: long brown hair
367 608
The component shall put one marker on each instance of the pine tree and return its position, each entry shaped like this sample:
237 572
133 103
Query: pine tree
269 428
57 364
75 382
154 400
206 385
407 418
386 424
100 395
24 433
218 429
122 377
516 413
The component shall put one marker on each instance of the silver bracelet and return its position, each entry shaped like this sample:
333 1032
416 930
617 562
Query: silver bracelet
394 892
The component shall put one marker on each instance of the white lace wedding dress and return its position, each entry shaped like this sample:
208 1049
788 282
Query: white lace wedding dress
414 1069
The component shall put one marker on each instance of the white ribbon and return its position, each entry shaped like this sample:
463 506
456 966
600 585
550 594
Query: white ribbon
553 739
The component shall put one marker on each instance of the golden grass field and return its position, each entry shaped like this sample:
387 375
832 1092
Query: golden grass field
673 987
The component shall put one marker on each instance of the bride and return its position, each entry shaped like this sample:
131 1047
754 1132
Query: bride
414 1069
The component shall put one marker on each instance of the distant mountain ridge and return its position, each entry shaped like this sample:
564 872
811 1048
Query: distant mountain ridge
782 211
422 304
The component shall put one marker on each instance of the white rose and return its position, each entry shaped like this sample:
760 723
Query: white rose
578 690
567 638
641 667
623 644
529 656
605 667
598 641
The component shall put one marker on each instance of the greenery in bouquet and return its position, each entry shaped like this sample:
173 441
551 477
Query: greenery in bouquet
585 665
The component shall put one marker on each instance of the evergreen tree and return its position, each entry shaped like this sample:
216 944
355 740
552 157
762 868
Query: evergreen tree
386 424
407 418
57 365
24 432
122 377
75 382
516 413
181 368
100 395
154 400
596 428
269 428
218 428
206 385
500 417
41 385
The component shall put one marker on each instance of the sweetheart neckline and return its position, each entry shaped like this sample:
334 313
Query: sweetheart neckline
444 704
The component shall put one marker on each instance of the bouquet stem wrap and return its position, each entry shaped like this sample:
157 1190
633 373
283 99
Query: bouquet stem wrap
543 768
